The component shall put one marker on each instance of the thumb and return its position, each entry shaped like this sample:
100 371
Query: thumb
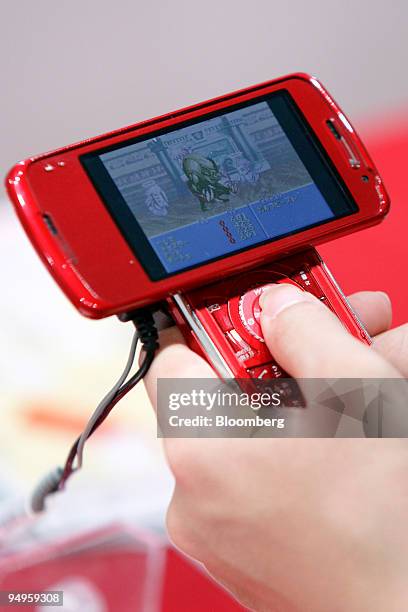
309 341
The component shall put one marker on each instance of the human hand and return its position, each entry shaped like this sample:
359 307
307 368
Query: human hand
298 524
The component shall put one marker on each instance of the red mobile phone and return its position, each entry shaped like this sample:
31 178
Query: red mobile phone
203 207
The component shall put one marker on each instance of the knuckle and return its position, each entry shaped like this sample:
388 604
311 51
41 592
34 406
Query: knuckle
194 464
181 459
174 525
179 530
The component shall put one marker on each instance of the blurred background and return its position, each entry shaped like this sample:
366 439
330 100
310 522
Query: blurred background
71 70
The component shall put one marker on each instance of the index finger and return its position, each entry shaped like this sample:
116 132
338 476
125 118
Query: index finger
174 360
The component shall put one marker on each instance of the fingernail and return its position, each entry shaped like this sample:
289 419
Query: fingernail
279 297
385 296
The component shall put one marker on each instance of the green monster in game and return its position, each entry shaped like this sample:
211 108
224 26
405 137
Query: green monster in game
204 180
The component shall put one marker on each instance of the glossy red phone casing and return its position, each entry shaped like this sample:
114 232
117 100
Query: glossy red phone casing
214 321
90 259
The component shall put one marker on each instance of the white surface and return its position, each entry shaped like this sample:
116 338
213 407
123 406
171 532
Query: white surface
54 368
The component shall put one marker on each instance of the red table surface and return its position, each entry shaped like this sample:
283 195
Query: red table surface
376 258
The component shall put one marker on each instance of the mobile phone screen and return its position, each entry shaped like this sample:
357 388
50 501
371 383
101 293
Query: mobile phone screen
209 188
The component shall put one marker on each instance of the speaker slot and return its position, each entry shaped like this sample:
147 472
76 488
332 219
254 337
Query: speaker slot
352 156
50 224
333 129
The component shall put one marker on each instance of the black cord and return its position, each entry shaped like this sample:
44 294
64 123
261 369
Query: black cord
146 328
69 464
148 335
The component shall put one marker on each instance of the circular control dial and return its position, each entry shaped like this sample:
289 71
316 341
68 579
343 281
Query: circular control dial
250 310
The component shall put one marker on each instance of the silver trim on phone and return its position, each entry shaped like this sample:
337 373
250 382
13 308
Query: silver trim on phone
353 312
212 352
